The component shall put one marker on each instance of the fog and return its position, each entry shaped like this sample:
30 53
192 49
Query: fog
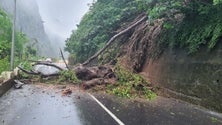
60 17
49 21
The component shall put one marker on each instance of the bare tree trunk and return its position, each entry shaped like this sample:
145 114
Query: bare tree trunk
64 59
113 39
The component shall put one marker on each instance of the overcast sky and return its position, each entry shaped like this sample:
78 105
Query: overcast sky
61 16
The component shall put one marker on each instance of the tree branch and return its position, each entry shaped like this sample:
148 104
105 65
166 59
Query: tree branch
38 73
28 72
49 64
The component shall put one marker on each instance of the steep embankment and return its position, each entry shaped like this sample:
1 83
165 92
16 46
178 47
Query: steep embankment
178 48
185 60
193 77
29 22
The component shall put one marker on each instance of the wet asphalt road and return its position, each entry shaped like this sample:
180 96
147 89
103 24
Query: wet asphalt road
44 105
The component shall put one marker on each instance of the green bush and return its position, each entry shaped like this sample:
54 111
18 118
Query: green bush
130 85
69 76
201 25
4 64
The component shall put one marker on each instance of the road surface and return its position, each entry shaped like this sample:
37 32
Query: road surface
44 105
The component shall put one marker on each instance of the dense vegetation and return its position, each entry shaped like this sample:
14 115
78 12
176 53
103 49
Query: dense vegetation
130 85
202 20
201 25
5 43
100 24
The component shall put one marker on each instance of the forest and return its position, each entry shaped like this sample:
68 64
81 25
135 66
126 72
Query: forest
187 24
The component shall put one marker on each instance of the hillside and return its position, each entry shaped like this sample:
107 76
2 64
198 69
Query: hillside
29 22
178 48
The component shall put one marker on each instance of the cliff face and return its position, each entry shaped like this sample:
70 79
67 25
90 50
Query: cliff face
29 21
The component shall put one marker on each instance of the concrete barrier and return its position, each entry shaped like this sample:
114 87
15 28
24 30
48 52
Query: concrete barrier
7 80
5 86
196 78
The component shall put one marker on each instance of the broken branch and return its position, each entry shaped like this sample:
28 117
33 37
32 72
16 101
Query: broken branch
37 73
49 64
28 72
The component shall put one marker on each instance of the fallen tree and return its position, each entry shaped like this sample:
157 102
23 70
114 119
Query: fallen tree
31 72
90 76
114 38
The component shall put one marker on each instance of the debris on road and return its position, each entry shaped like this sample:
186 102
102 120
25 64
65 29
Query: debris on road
18 84
89 73
66 92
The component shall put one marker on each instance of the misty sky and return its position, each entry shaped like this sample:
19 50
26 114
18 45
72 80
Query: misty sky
61 16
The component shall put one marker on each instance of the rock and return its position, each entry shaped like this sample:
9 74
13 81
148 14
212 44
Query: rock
6 75
66 92
18 84
16 71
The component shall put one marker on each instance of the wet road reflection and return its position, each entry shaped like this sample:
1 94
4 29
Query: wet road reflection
161 111
45 105
34 106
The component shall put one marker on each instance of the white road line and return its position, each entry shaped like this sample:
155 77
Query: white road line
107 110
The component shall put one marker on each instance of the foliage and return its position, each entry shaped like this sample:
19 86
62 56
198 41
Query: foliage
217 2
187 24
30 52
99 25
214 120
164 9
125 76
5 35
109 54
131 85
202 25
5 42
106 17
26 65
72 59
69 76
4 63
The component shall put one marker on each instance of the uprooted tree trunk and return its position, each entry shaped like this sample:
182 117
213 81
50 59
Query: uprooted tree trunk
89 73
114 38
91 76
